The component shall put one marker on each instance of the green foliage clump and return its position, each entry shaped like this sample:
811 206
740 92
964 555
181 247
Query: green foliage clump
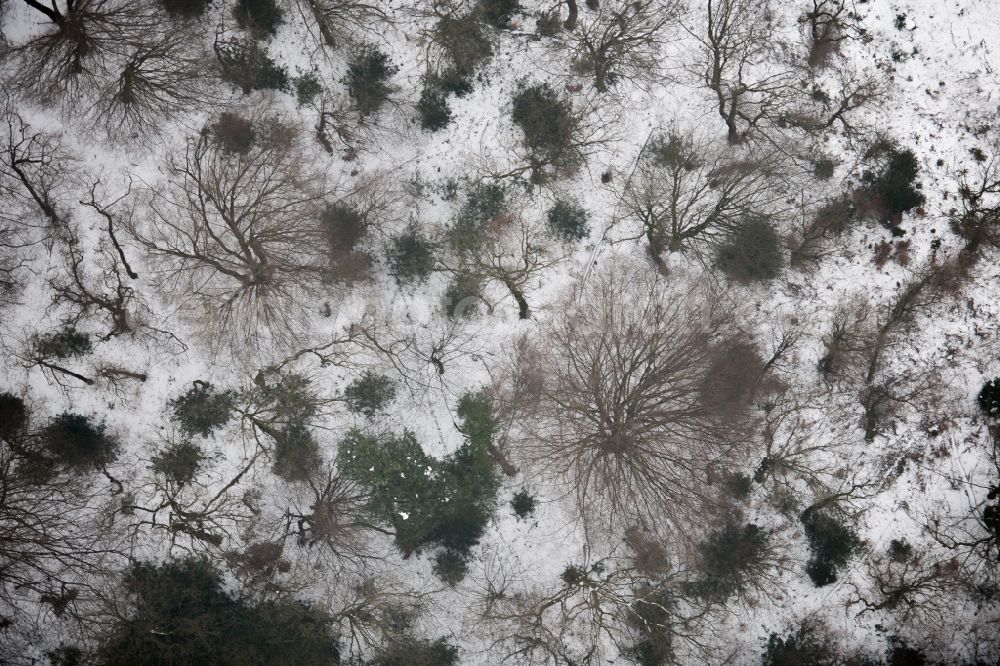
183 616
484 202
296 453
285 409
66 343
66 655
900 550
523 503
549 24
13 417
548 124
805 646
411 256
290 400
483 211
370 393
478 422
428 501
898 653
831 544
898 182
188 9
450 566
180 462
73 440
307 87
432 107
894 190
736 485
673 151
567 220
202 409
824 168
463 295
403 481
261 18
651 621
752 252
989 398
417 652
453 82
367 80
732 561
498 13
466 45
246 65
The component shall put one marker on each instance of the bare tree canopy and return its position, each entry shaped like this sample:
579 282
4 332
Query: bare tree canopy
621 41
78 45
620 423
52 548
688 192
235 231
153 81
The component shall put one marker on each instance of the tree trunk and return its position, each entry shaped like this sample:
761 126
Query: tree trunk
501 461
51 12
733 137
570 23
600 77
321 22
60 369
655 247
522 302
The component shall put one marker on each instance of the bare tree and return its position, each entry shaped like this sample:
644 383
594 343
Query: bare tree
424 351
968 524
912 589
738 34
827 24
761 98
595 611
497 246
800 446
833 102
819 224
55 547
862 342
76 52
237 232
621 41
687 192
619 424
914 297
332 518
33 174
375 608
557 136
109 295
154 80
191 507
847 341
978 222
339 21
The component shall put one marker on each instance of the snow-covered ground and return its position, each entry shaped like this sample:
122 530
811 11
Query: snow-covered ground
938 66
